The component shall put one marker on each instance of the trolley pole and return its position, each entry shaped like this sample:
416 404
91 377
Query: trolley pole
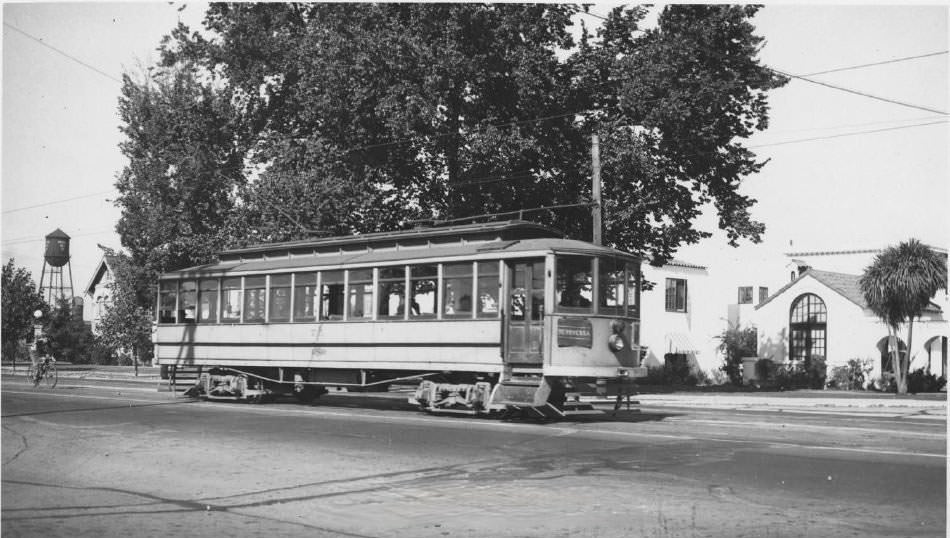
595 176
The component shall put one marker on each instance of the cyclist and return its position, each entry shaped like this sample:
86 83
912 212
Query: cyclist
40 360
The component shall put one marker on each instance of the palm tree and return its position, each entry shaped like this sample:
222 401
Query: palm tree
898 286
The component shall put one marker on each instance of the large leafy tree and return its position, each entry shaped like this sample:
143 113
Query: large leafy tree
126 326
898 286
67 336
20 300
185 164
343 118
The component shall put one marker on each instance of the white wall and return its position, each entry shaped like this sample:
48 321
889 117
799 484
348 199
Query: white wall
700 324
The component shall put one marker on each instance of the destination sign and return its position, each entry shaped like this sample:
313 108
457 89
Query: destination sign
574 332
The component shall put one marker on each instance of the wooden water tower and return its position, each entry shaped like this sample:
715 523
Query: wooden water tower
55 257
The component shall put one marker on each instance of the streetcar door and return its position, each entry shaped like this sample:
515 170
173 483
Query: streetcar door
525 317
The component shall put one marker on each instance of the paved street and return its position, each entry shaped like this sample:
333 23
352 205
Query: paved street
90 458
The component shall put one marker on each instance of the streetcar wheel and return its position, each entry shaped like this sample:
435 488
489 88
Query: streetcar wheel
51 377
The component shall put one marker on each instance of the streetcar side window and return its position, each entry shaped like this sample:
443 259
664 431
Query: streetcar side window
279 298
392 292
231 299
424 282
208 301
633 289
254 298
457 285
575 284
187 301
361 294
167 301
305 297
488 283
612 286
331 296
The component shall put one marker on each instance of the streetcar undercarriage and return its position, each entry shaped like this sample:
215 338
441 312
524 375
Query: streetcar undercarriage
473 394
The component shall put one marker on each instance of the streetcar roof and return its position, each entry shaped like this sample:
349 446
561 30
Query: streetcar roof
429 253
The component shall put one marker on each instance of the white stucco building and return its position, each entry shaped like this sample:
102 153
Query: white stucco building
822 312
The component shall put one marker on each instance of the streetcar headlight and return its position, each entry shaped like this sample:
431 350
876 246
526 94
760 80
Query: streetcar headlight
615 342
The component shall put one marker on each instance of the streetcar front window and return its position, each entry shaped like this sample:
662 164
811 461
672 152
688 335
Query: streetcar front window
331 293
488 283
305 296
633 289
457 290
187 301
612 286
231 300
279 299
167 301
361 294
424 280
208 301
575 284
254 298
392 292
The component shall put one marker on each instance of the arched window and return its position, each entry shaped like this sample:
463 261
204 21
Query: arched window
807 328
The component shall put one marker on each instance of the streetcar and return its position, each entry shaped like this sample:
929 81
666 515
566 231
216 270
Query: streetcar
486 318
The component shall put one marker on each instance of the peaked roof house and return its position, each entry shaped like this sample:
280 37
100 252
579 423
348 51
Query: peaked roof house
98 292
824 314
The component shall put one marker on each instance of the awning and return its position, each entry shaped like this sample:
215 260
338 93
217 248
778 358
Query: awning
679 343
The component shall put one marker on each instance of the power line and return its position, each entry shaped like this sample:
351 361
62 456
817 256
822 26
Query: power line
53 202
842 135
40 237
895 60
66 54
863 94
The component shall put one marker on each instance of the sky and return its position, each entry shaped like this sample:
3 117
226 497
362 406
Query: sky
845 171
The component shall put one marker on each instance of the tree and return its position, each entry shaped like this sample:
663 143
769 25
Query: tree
20 300
735 343
68 338
348 118
126 326
898 286
177 192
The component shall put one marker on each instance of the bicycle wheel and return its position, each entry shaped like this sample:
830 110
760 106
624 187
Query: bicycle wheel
50 376
37 377
30 372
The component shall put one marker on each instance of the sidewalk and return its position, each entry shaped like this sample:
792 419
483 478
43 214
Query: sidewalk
934 404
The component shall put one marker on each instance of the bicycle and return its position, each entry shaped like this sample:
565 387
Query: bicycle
47 373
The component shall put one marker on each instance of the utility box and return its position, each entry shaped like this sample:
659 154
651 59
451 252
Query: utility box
749 373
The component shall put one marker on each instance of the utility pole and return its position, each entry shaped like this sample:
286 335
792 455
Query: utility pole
595 176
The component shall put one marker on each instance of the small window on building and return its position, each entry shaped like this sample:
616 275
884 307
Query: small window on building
208 301
676 295
361 294
763 294
457 290
279 299
392 293
254 298
331 293
168 301
487 289
745 294
305 297
633 289
231 299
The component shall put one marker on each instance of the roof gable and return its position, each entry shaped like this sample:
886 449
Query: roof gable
846 285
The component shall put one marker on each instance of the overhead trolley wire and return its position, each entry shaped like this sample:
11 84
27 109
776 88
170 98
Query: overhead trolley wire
66 54
53 202
895 60
863 94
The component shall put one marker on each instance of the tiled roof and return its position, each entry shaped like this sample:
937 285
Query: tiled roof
848 286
